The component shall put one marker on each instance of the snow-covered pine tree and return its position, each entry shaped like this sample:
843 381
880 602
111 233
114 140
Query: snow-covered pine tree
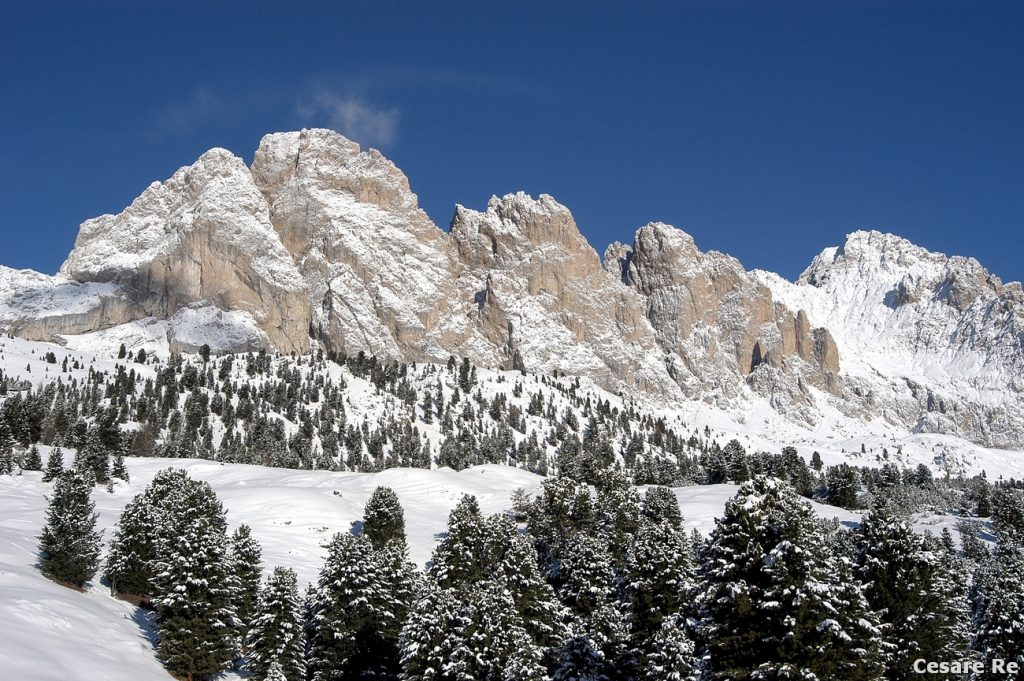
949 622
491 642
246 561
771 605
33 461
1008 514
660 503
276 673
275 643
563 508
657 576
427 637
460 558
54 465
133 550
999 607
672 655
919 619
383 518
119 470
6 450
194 584
841 483
588 585
512 563
356 614
69 546
131 562
93 456
618 513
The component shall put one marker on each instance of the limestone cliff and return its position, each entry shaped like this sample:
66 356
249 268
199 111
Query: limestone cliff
321 241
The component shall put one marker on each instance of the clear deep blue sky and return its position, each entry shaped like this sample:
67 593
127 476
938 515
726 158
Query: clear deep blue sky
766 129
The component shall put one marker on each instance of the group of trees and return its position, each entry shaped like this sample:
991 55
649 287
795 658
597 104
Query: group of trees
578 582
298 412
588 580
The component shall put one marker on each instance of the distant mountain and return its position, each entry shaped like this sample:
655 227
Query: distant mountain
320 242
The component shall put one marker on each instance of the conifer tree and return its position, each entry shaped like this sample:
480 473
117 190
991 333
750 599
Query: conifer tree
94 457
141 530
656 577
383 518
841 484
1008 515
119 470
618 515
460 557
903 580
246 560
672 653
999 615
771 603
490 641
588 584
6 450
356 614
69 546
485 589
512 562
275 643
194 584
948 623
32 462
473 632
54 465
660 503
133 549
426 639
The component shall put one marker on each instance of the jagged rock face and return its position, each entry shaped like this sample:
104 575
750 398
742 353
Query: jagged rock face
380 273
719 323
321 239
932 342
202 237
545 302
39 307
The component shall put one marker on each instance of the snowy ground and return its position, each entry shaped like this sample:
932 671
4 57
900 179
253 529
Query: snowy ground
49 632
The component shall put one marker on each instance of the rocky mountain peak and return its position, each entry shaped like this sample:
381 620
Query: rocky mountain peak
715 319
942 330
203 236
517 229
333 163
320 239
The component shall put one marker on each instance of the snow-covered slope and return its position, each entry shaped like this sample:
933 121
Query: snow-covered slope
930 342
52 633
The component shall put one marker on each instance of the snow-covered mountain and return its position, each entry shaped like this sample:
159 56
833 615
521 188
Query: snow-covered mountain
929 341
319 241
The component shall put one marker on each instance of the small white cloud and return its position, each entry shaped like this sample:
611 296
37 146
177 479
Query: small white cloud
187 115
352 116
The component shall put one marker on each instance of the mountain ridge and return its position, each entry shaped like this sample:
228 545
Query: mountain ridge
319 241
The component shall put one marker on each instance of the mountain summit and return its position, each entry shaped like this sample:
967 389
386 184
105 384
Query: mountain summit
321 242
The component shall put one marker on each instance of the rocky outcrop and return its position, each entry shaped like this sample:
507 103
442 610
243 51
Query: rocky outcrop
203 236
38 307
721 326
544 301
380 274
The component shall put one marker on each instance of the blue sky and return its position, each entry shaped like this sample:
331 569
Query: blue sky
766 129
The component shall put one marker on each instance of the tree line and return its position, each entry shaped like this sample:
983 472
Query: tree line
578 581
